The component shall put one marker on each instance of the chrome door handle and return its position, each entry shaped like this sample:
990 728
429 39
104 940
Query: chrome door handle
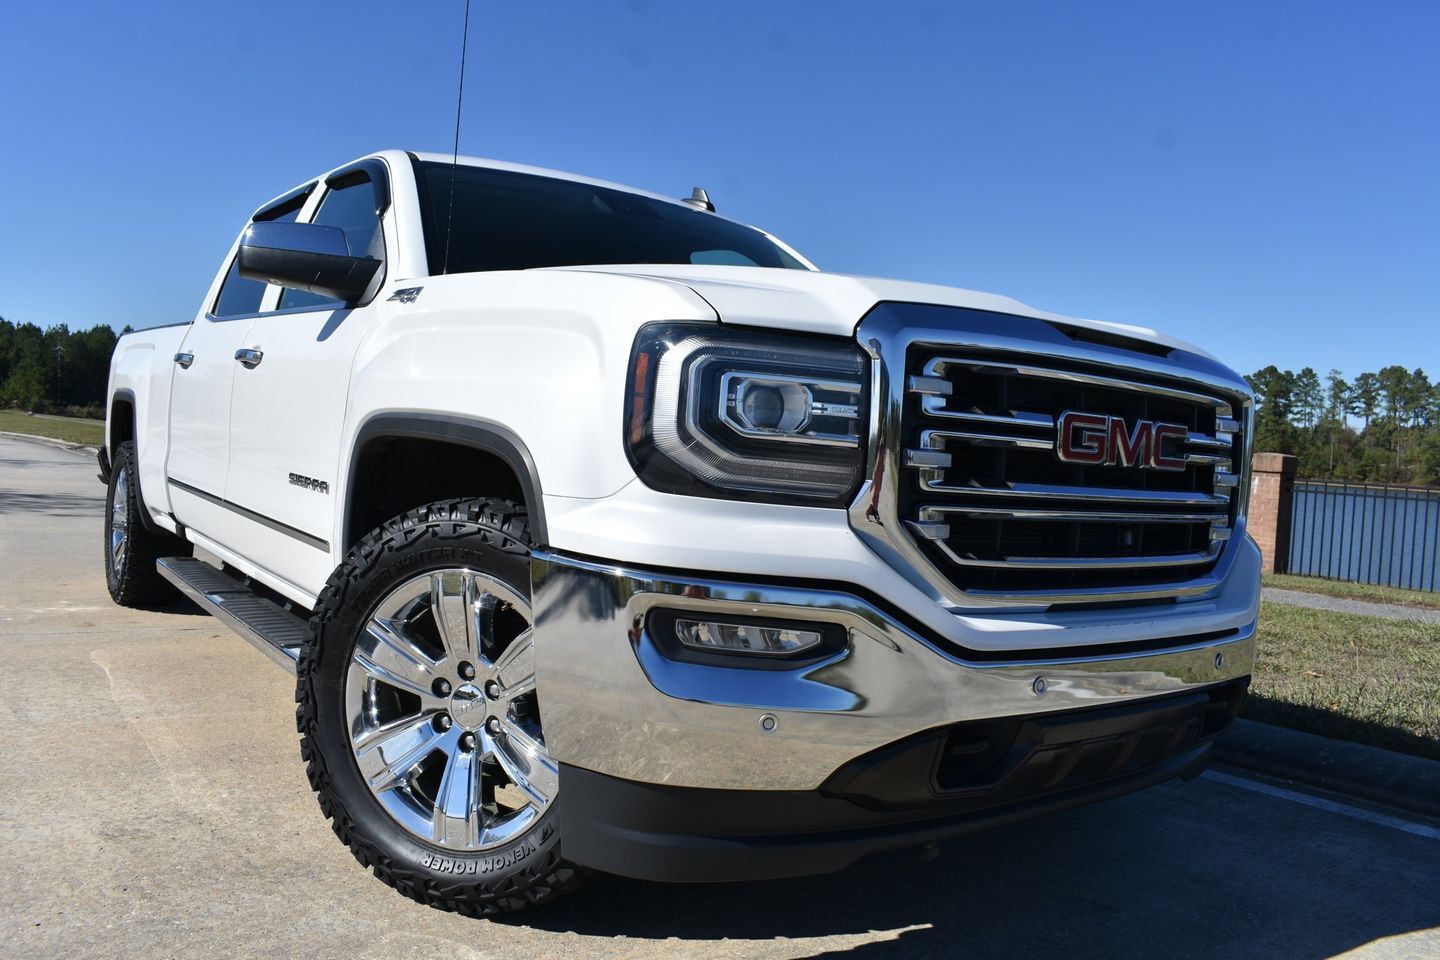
249 358
184 359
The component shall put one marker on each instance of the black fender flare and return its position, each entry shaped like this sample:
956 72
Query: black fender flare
486 435
128 395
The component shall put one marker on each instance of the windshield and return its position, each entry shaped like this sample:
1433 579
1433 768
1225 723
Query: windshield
514 221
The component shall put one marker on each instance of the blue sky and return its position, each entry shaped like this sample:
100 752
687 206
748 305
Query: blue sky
1262 178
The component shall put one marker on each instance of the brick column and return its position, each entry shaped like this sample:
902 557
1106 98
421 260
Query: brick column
1272 491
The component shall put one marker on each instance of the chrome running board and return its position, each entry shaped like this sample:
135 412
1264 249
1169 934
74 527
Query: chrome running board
273 631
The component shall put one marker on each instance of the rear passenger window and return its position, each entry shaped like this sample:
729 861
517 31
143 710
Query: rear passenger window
238 295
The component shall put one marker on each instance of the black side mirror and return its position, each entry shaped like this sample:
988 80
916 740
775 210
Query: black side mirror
305 256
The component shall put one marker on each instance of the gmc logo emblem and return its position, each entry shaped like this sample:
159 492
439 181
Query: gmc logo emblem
1092 438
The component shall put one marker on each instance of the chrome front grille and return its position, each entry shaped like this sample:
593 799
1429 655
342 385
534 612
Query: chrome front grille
987 500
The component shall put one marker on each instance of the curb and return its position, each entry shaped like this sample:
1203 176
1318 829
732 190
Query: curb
1383 777
52 442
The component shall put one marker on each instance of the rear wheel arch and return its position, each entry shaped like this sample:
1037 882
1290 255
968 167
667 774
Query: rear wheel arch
121 426
444 456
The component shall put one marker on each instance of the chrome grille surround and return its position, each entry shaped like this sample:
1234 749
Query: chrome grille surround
905 508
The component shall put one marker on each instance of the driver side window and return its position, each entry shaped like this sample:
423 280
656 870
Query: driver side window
240 296
351 207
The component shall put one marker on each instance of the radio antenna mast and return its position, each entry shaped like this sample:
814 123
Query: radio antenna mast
455 157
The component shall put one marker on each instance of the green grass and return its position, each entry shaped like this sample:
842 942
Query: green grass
1362 679
90 432
1353 591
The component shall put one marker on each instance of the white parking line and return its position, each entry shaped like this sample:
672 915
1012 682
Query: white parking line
1320 803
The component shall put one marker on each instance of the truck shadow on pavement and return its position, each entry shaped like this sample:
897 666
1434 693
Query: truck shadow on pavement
1184 870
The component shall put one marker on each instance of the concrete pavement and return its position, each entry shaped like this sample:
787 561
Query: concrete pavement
1364 608
154 805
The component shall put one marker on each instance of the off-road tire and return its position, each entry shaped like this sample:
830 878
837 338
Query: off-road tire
136 583
488 535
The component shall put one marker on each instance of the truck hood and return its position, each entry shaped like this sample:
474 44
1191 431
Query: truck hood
833 303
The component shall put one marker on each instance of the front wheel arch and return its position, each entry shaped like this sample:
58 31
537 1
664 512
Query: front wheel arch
501 468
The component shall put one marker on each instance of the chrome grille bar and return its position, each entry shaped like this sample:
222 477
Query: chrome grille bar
1210 443
937 367
931 512
1015 420
931 439
930 482
1215 459
1088 563
934 439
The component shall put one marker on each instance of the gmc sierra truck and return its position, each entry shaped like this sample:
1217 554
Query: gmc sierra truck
603 533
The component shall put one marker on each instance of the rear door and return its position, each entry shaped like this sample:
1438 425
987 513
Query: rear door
289 401
197 462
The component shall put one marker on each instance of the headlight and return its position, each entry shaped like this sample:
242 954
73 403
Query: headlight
722 412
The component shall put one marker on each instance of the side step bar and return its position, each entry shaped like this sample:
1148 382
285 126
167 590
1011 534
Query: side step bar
275 632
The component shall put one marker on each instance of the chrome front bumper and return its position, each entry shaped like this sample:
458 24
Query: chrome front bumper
613 703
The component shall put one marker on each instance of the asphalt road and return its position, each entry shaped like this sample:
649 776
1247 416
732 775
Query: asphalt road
153 804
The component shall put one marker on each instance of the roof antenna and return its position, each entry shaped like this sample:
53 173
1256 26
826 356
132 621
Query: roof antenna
699 198
455 157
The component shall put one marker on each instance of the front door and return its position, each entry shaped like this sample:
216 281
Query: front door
288 408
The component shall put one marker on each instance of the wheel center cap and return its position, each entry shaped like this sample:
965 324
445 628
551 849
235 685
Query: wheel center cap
467 706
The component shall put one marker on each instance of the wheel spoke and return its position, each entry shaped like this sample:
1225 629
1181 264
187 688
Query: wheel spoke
456 819
485 608
119 522
122 495
387 761
117 550
364 738
515 668
453 601
384 653
525 762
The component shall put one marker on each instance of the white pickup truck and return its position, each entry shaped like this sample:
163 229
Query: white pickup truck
604 533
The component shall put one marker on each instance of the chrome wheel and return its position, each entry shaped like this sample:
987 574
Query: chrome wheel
443 717
119 524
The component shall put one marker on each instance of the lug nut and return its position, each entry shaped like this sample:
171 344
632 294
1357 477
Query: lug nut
467 670
442 722
442 687
492 690
492 724
467 742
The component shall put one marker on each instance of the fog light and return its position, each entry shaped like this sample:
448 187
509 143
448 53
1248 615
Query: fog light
744 637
